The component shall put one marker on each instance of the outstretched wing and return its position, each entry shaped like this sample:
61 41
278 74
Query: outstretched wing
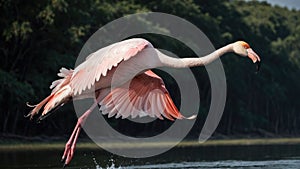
98 63
144 95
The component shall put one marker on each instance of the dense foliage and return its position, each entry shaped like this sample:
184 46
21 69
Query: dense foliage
39 37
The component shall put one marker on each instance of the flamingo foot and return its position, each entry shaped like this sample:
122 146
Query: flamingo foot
71 144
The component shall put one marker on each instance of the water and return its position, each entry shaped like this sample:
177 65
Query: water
211 157
278 164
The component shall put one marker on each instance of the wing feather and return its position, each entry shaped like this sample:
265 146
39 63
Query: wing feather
146 95
100 62
66 75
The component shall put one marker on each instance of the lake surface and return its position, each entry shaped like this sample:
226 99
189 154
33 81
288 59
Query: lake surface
211 157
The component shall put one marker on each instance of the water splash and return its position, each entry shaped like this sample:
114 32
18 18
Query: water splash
112 166
108 167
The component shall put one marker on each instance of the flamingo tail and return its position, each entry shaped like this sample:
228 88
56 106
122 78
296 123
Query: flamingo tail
51 102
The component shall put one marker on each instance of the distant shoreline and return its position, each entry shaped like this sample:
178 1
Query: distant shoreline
34 146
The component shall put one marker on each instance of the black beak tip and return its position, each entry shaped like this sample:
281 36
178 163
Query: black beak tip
257 66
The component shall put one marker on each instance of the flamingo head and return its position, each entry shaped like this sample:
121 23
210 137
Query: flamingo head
243 49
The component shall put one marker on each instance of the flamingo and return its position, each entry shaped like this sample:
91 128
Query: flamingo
130 61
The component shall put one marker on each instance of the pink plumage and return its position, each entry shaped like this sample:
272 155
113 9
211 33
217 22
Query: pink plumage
123 83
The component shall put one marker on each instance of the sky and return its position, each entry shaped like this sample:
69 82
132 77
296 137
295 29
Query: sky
291 4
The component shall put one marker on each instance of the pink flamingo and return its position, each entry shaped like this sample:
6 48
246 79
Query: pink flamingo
130 62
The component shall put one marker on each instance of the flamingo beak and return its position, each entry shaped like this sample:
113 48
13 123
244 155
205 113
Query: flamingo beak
254 57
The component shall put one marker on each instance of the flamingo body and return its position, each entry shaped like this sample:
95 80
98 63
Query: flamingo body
120 76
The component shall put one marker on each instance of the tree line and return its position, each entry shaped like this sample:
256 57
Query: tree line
39 37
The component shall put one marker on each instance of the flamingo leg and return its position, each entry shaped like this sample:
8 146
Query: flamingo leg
71 144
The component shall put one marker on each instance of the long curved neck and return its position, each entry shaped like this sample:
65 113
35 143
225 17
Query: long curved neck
192 62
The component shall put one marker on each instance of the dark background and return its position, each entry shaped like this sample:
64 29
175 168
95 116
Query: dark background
38 37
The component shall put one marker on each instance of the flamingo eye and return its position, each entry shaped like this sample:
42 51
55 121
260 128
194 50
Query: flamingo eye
245 44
